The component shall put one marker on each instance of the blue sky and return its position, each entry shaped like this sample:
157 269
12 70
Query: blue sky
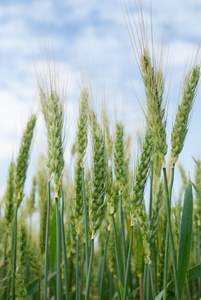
91 40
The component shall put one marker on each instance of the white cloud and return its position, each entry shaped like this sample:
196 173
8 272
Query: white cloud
34 10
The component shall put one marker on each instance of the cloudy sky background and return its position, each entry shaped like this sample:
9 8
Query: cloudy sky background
91 41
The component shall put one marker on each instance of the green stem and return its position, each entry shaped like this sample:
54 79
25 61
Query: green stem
85 224
46 243
77 270
155 268
170 235
89 270
165 266
58 250
117 251
103 266
9 285
64 245
147 283
128 264
152 282
39 284
150 216
82 272
110 285
144 282
14 250
167 242
123 232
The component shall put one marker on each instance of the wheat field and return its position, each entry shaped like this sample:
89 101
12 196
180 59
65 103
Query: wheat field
109 229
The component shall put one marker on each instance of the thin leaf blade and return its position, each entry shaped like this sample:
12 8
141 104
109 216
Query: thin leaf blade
140 252
185 236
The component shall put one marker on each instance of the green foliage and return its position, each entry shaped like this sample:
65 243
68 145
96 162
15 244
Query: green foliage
53 244
140 252
185 236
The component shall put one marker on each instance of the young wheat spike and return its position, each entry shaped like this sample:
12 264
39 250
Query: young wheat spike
23 251
144 225
81 148
21 292
98 181
9 196
128 180
154 87
23 157
127 150
53 111
153 81
83 123
43 196
155 220
141 175
180 127
31 199
81 140
108 138
93 120
183 175
112 196
111 253
119 160
78 203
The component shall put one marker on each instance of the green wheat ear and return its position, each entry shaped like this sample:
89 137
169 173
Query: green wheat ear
42 179
108 137
98 181
53 111
31 199
81 140
154 87
23 157
23 250
78 202
183 175
141 174
111 253
9 196
83 123
119 159
80 147
180 127
144 226
155 220
21 292
112 196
